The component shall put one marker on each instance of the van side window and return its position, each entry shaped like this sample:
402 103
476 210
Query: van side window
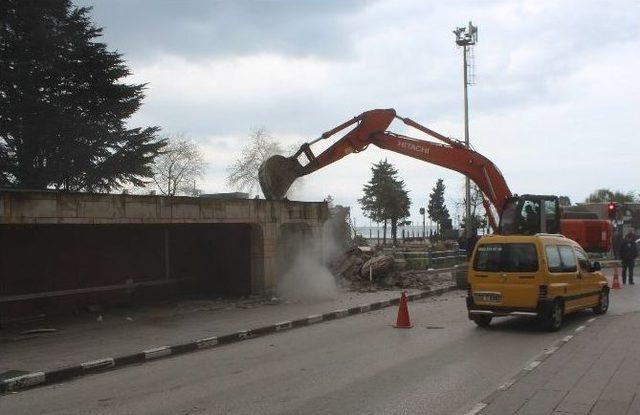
553 258
583 260
568 258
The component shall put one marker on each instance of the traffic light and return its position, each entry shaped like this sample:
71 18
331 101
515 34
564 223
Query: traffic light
612 209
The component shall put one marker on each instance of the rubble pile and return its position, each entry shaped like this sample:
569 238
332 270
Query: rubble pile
421 279
360 269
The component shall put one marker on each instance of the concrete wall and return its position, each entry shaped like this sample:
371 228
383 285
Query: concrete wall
176 233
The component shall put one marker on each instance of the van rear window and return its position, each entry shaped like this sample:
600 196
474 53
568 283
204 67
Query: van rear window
510 257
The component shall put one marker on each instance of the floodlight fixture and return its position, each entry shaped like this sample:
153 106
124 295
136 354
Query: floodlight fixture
466 36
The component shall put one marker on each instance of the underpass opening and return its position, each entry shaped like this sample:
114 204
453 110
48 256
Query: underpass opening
60 268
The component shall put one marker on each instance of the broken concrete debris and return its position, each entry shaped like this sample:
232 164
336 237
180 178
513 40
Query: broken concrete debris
364 269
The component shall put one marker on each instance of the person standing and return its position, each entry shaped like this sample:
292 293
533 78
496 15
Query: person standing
628 255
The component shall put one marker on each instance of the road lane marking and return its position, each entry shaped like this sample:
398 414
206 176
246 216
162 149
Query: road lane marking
551 350
591 320
477 408
506 385
579 329
567 338
532 365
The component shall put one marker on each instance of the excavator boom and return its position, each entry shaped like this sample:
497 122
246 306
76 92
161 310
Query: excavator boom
278 173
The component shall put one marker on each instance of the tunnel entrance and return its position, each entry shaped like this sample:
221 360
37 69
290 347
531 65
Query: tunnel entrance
89 261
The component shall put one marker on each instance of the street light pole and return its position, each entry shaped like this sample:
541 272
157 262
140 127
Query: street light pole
467 182
466 37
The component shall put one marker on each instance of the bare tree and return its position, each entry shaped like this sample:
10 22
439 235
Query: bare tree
478 218
243 173
178 166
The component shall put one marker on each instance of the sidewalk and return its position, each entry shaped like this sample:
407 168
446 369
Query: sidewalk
88 337
595 372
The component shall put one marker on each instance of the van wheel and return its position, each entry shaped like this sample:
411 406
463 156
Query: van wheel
482 320
554 319
603 305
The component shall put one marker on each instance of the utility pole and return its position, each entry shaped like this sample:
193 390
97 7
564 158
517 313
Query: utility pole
466 37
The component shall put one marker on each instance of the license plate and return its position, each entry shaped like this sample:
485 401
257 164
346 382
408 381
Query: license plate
488 297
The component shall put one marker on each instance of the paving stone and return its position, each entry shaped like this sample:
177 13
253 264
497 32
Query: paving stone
542 402
609 407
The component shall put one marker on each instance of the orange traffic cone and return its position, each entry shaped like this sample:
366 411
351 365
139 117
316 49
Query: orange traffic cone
616 280
403 321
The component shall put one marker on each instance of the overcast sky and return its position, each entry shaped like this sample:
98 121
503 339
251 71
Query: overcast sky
555 104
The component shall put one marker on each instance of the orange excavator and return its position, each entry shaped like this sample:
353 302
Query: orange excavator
507 213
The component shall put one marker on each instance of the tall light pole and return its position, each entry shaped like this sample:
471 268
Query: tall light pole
466 37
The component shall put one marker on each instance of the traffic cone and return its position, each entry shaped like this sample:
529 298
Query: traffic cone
616 280
403 321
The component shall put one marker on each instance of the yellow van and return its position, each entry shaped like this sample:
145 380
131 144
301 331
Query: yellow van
542 276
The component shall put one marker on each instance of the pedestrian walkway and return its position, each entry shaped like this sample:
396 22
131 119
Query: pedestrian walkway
596 372
116 332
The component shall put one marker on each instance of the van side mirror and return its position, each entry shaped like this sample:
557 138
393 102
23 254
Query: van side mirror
596 266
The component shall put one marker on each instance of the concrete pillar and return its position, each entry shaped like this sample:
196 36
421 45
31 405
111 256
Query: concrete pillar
270 233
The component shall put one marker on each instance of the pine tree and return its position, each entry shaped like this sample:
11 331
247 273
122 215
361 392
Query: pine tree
385 198
64 105
436 209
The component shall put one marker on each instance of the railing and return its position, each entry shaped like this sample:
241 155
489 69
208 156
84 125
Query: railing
429 259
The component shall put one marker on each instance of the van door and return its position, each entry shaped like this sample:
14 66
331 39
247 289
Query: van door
505 275
590 283
565 281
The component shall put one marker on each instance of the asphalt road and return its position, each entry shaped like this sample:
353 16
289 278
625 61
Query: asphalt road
357 365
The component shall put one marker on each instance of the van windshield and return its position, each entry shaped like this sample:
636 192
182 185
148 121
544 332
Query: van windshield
511 257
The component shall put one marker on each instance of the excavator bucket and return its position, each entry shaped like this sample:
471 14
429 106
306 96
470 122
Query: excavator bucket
276 175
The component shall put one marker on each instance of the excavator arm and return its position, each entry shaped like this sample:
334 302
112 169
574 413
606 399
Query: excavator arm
278 173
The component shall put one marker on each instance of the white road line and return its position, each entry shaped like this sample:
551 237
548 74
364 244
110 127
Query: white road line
532 365
477 408
567 338
506 385
591 320
579 329
551 350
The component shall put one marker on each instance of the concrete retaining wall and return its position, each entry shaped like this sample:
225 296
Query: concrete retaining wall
52 239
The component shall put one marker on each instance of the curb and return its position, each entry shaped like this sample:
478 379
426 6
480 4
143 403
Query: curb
110 363
530 367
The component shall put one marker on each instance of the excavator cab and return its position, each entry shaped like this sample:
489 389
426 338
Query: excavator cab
530 214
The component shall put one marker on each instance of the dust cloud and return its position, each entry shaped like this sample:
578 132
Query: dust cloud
306 276
307 279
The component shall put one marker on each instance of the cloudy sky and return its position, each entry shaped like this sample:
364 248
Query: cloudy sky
554 106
